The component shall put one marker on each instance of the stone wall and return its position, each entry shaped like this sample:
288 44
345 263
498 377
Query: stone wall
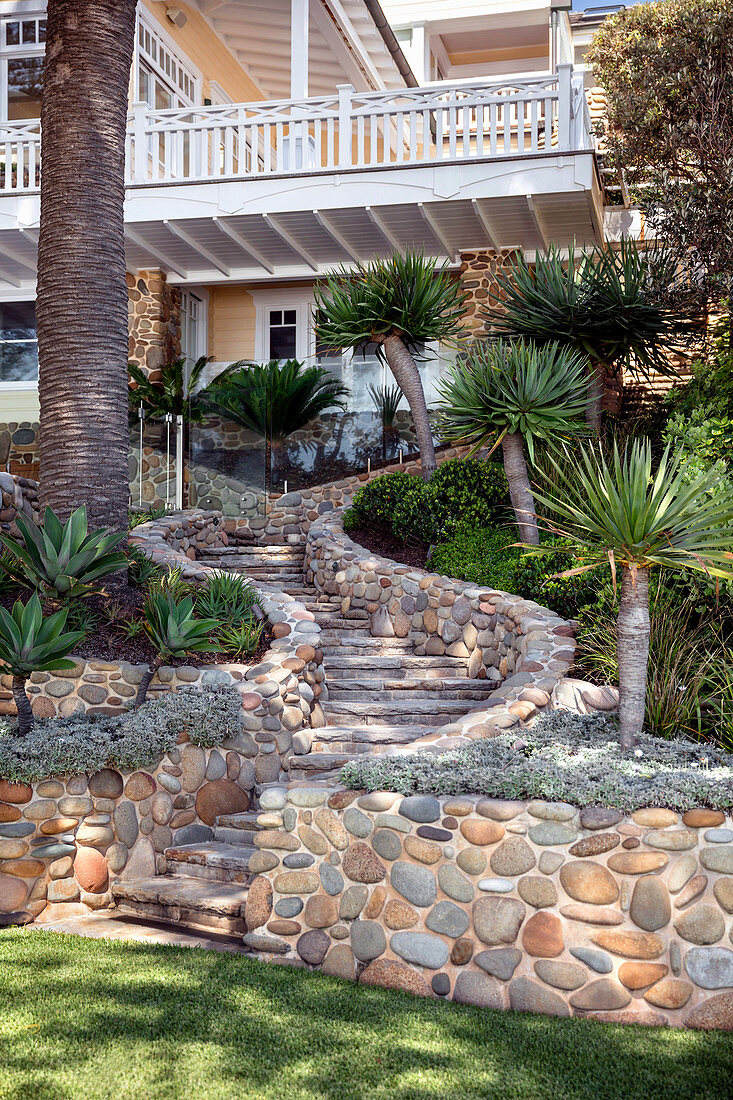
18 495
63 842
534 906
22 437
477 279
154 321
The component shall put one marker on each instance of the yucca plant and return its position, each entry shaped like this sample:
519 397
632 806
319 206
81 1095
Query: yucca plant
619 511
274 400
399 304
62 561
513 394
386 400
171 627
620 305
29 643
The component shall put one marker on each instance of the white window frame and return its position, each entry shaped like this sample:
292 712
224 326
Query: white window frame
202 306
22 9
299 300
192 96
21 385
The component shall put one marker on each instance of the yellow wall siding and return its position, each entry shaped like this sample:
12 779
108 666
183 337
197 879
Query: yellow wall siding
231 324
17 406
198 42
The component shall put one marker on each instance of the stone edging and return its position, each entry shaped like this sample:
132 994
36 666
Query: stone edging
524 647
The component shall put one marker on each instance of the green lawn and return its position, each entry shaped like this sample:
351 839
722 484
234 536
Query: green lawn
92 1019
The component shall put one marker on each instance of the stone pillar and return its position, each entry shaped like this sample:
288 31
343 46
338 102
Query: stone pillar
155 321
477 279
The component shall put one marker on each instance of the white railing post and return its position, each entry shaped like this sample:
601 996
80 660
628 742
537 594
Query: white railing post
140 138
564 105
345 92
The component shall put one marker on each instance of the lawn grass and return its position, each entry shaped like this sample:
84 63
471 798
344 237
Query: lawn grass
97 1019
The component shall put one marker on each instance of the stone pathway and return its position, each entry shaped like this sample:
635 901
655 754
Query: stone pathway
377 696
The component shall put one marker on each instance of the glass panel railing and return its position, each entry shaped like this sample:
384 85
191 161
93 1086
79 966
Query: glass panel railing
156 463
225 468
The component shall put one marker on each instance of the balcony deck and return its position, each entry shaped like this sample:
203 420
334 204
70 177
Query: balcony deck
290 188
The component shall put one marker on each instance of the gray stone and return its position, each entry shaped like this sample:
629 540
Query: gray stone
551 862
193 834
125 822
454 884
710 967
718 859
333 880
298 860
288 907
496 885
561 975
353 901
473 988
418 948
387 844
168 782
290 818
596 817
357 823
216 767
392 821
420 807
17 829
526 995
497 920
701 924
312 946
440 984
500 962
552 811
650 907
549 833
273 798
596 960
513 857
368 940
54 851
416 884
718 836
447 919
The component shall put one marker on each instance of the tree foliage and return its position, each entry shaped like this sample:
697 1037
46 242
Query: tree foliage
668 71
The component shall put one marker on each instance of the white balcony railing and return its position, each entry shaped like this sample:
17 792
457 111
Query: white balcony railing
347 130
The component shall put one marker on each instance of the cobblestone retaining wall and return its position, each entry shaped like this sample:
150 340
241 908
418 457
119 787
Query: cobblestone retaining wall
64 842
18 495
533 906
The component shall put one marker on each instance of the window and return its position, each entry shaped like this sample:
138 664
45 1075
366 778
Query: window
163 79
283 331
22 44
193 325
18 342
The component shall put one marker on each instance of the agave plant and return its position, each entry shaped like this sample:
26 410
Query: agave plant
63 560
29 643
620 511
171 627
399 304
512 394
618 306
275 400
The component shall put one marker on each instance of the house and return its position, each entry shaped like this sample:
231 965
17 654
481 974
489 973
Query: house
271 140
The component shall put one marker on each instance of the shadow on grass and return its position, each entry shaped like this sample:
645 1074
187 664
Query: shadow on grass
98 1018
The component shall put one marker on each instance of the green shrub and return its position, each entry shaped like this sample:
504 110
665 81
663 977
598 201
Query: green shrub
563 756
467 492
135 739
393 502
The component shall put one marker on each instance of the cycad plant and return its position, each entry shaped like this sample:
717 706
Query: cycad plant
62 560
274 400
174 391
621 511
620 306
29 643
513 394
171 627
399 304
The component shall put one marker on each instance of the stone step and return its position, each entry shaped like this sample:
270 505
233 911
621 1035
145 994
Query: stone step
387 688
247 822
235 835
180 899
396 712
395 665
318 764
365 642
326 621
214 861
336 738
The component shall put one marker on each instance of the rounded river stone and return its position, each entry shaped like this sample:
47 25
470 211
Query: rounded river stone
526 995
650 907
497 920
537 892
447 919
710 967
513 857
561 975
352 902
416 884
473 988
588 881
602 994
333 880
387 844
595 845
596 960
288 907
420 807
441 985
472 860
368 940
702 924
418 948
500 962
454 884
312 946
361 864
357 823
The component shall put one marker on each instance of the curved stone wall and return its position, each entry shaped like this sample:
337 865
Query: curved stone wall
535 906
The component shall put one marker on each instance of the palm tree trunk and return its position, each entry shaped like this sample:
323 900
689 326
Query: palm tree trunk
596 390
407 377
23 705
632 634
515 467
147 679
82 298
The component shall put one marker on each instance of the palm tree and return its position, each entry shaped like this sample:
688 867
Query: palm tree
620 511
82 297
619 305
274 400
399 304
513 394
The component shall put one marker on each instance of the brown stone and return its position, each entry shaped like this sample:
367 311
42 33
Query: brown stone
258 906
542 935
59 825
90 868
634 945
723 890
637 863
632 1015
694 888
592 914
603 994
362 865
18 793
595 845
312 946
497 920
638 975
13 893
588 881
422 850
462 951
538 892
715 1014
482 832
513 857
650 906
671 993
296 882
703 819
399 914
222 796
313 840
106 783
275 838
395 975
284 928
340 962
655 818
8 813
341 799
702 924
376 903
332 828
23 868
320 911
140 785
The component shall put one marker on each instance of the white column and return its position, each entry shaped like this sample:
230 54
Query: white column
298 49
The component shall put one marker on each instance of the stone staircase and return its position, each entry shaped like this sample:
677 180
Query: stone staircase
379 698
